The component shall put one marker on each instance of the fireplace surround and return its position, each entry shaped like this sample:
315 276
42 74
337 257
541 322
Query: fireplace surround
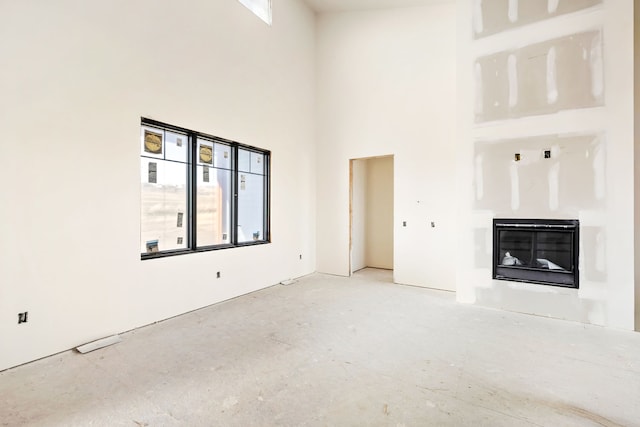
541 251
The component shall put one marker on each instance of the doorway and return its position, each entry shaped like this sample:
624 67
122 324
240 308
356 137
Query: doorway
371 213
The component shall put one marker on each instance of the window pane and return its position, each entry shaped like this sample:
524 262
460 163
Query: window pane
262 8
213 206
257 163
222 156
152 142
163 205
205 152
195 189
250 207
244 160
176 146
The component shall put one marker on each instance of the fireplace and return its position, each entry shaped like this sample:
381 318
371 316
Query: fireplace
543 251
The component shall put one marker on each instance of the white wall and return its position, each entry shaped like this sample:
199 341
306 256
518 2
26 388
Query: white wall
604 204
386 86
75 79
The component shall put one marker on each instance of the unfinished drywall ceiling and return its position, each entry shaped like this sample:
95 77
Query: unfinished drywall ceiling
345 5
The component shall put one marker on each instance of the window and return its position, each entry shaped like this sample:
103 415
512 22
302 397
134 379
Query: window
262 8
200 192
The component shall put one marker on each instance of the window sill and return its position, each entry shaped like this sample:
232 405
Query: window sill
166 254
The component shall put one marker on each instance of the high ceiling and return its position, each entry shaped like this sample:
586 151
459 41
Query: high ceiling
344 5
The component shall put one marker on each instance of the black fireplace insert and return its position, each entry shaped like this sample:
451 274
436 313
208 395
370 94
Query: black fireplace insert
543 251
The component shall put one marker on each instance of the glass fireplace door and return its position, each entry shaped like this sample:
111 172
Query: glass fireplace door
553 251
516 248
536 251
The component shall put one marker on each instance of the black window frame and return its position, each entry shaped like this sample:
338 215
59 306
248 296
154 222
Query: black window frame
191 217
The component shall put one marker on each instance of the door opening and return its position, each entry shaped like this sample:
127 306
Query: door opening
371 213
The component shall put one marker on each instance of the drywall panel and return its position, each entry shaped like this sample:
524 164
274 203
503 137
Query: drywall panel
589 178
70 221
379 225
494 16
594 250
541 175
386 85
551 302
543 78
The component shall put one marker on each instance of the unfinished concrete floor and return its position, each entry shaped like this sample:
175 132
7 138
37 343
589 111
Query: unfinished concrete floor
331 351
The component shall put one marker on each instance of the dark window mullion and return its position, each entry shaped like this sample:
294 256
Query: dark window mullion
234 192
266 197
193 191
191 213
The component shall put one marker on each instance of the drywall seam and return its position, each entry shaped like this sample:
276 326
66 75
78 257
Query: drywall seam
578 121
479 89
538 33
601 257
599 169
554 186
477 16
597 67
552 80
502 16
515 187
513 80
479 177
513 11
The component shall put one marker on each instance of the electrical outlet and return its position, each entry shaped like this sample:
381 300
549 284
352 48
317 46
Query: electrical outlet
23 317
404 223
300 256
218 275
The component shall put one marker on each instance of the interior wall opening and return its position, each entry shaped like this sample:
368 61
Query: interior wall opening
371 213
